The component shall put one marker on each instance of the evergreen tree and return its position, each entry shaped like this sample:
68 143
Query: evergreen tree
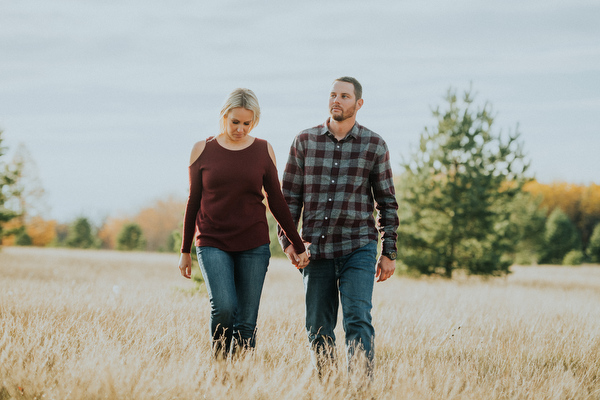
22 238
458 192
593 249
81 235
560 237
131 237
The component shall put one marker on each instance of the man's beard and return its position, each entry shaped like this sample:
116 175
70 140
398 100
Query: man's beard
344 115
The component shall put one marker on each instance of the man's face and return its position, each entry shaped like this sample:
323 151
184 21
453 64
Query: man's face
342 101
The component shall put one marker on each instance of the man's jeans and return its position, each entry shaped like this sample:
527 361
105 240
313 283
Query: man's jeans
234 282
350 279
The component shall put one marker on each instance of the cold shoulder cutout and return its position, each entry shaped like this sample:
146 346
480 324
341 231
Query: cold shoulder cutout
197 150
271 153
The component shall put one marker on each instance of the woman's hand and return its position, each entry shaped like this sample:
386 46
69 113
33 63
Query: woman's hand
299 260
185 265
303 260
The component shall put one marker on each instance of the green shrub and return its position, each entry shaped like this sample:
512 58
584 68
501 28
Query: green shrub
573 257
560 238
526 257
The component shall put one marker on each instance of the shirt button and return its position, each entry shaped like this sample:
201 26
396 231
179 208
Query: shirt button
335 164
326 218
329 199
332 181
323 237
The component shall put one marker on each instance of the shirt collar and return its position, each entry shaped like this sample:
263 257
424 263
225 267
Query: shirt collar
354 132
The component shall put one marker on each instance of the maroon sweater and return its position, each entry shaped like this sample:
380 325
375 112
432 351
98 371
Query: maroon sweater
225 206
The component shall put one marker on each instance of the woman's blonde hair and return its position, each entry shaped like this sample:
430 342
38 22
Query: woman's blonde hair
244 98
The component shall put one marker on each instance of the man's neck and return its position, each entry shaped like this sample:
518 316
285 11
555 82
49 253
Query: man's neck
340 128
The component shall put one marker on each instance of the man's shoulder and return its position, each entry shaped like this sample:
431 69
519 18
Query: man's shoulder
315 130
368 135
370 138
311 133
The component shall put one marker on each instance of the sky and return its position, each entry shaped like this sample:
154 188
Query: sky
109 96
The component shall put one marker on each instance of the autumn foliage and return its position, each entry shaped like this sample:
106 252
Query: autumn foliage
109 231
579 202
42 232
157 221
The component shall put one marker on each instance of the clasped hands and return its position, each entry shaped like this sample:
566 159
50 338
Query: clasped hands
299 260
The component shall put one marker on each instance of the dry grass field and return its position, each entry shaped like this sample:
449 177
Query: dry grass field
110 325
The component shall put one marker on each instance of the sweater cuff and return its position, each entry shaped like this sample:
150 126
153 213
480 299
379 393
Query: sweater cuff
299 250
284 242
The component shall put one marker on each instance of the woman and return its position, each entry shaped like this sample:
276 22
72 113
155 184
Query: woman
226 213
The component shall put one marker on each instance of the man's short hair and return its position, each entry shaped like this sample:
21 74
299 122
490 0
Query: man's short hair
355 83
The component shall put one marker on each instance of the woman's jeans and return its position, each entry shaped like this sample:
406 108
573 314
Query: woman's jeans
350 279
234 281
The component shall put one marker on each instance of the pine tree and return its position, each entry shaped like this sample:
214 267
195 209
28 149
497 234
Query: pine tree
81 235
131 237
458 192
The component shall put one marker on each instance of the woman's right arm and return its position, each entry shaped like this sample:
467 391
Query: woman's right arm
191 211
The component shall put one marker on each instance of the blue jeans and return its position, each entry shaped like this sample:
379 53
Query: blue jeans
234 282
350 279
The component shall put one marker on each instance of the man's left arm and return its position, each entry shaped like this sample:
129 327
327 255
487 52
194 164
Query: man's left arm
384 193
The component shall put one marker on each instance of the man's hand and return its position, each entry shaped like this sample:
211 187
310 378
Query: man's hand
385 268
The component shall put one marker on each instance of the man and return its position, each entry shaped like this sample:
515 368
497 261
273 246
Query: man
336 175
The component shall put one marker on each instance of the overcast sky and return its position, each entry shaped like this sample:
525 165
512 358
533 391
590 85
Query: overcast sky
110 96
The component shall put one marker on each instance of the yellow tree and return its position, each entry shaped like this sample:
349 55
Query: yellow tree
158 221
590 201
42 232
566 196
579 202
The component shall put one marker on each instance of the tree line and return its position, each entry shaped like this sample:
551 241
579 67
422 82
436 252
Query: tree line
466 203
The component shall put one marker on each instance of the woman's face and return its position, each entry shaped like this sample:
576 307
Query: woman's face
238 123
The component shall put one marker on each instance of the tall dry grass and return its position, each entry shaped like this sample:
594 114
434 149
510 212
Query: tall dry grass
109 325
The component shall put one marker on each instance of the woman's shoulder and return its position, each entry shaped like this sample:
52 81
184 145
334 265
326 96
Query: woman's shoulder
198 149
261 142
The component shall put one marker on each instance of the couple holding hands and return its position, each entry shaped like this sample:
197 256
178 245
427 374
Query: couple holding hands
336 176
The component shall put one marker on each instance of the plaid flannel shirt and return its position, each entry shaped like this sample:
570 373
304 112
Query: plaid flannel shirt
336 186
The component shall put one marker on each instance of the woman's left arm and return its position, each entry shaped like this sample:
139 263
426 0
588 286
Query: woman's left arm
278 205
